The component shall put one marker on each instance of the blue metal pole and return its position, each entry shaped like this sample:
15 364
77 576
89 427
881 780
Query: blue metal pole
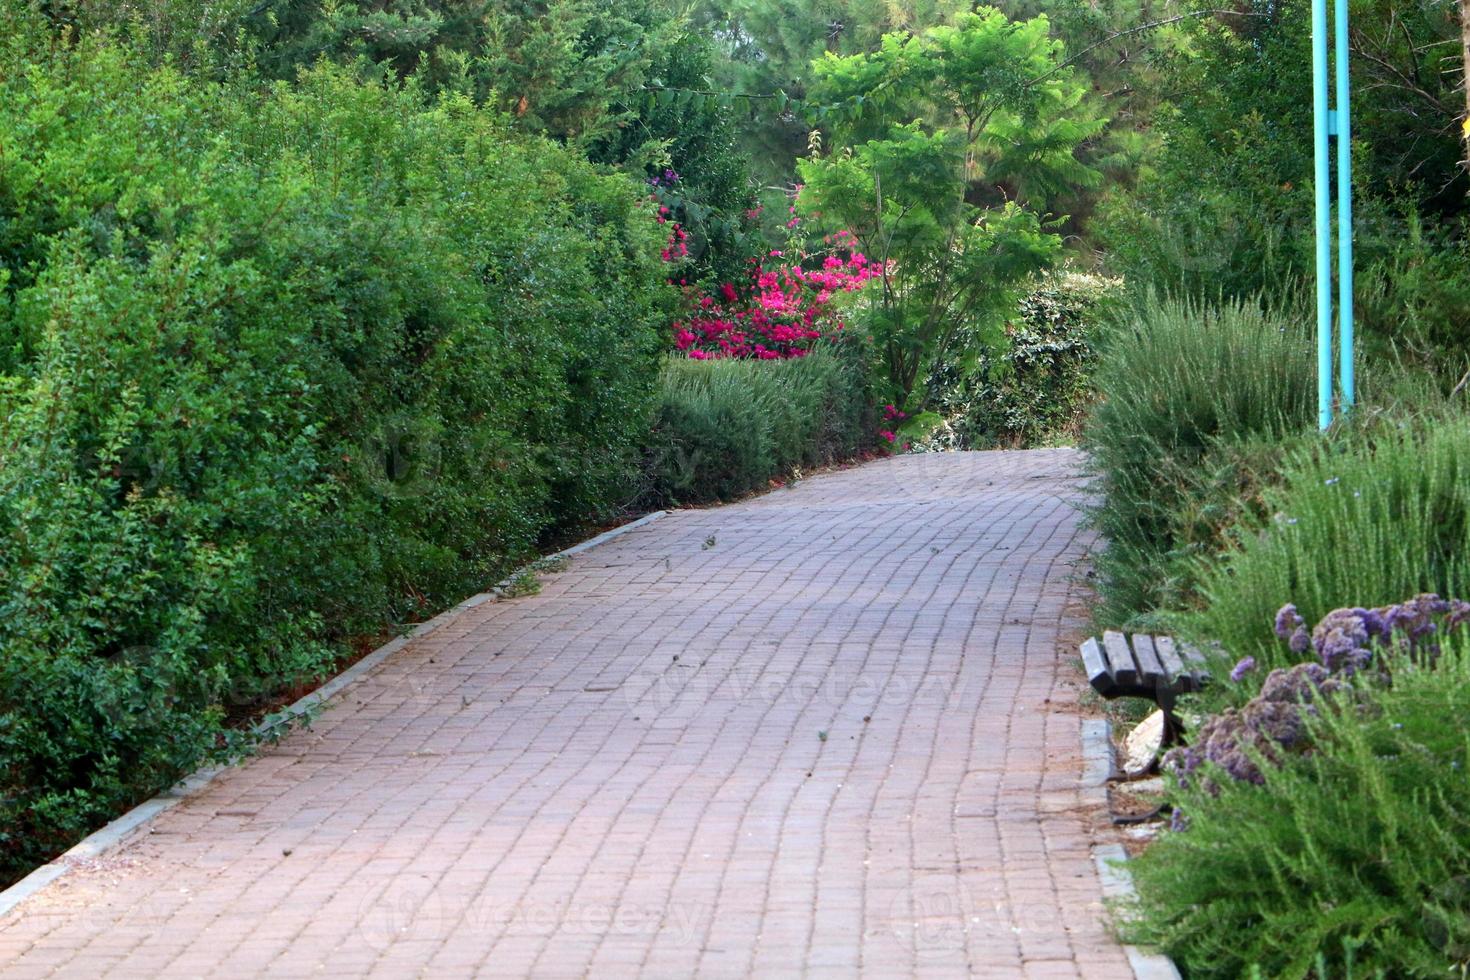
1344 207
1324 228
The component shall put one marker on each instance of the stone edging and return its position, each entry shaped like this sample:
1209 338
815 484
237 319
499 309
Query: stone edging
116 832
1098 767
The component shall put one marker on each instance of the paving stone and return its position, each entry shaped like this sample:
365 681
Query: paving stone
864 760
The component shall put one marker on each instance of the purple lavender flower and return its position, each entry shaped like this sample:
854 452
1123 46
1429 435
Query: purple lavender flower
1239 766
1416 616
1297 685
1373 622
1180 760
1275 721
1290 626
1341 640
1221 741
1288 621
1178 822
1270 724
1244 666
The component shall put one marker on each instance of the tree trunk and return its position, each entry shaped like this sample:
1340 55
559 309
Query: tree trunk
1465 56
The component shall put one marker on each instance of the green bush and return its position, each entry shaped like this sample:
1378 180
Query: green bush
713 197
1349 861
277 366
1415 296
1036 387
1222 207
1364 519
1223 201
726 427
1196 404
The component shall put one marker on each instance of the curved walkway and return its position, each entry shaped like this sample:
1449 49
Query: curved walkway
824 732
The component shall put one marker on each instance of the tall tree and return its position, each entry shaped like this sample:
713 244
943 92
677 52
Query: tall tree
923 127
769 47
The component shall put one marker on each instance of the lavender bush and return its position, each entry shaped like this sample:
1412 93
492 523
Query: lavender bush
1352 644
1348 860
1376 513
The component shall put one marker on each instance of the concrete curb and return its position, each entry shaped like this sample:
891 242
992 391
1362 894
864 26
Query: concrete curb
113 834
1098 768
1098 765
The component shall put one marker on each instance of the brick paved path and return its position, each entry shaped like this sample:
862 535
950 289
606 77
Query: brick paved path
824 732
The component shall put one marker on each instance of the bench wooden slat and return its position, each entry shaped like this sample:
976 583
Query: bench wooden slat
1098 674
1125 671
1194 662
1144 666
1149 665
1170 657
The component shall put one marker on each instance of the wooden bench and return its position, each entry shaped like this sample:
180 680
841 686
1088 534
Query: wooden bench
1144 666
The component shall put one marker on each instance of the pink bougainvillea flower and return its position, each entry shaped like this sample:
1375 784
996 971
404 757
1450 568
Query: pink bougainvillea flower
784 308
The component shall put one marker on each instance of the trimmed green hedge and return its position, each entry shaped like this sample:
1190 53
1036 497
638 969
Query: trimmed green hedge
277 366
726 427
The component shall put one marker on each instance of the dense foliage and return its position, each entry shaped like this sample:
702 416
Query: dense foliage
1345 861
906 189
1225 204
1360 519
1038 386
1316 811
317 317
277 365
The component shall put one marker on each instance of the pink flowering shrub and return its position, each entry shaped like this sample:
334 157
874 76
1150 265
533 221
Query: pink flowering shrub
780 312
676 246
894 419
